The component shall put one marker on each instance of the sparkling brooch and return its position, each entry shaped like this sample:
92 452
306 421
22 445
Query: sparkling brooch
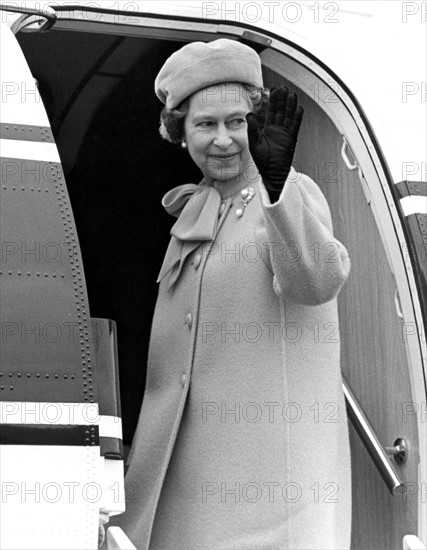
247 195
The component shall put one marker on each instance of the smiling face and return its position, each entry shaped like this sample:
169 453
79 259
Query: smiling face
215 130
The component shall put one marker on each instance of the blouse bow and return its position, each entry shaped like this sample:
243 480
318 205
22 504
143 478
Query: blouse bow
196 207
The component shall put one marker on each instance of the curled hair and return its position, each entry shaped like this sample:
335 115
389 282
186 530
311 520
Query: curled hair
172 120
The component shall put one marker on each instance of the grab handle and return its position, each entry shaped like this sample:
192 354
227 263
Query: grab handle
370 440
344 155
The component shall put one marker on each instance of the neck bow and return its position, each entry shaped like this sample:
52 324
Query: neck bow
196 207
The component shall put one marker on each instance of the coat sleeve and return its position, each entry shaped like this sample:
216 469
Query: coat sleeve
309 264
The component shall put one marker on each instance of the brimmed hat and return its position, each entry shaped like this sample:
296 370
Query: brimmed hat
201 64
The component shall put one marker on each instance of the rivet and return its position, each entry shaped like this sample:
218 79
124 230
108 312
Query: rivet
56 376
28 375
47 376
19 375
1 387
65 377
19 273
10 374
38 375
11 387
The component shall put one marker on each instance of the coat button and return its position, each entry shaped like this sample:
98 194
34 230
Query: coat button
189 320
183 377
197 261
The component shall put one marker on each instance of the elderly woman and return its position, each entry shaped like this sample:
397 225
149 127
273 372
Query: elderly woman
242 441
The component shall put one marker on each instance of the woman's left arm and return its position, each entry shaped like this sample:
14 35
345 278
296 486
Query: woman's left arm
310 265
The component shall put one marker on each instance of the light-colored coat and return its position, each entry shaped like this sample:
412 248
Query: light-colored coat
242 441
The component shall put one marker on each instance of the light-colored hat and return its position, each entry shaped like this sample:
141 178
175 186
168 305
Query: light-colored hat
201 64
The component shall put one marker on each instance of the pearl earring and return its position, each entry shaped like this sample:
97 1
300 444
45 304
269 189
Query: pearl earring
183 144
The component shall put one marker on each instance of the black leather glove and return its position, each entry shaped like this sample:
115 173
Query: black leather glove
272 142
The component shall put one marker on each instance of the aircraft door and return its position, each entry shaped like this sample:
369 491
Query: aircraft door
373 332
60 447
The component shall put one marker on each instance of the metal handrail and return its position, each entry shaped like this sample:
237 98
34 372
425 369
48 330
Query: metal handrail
370 440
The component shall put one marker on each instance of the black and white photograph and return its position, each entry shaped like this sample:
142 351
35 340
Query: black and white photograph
213 280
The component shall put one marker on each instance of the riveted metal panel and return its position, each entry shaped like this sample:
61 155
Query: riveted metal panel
47 342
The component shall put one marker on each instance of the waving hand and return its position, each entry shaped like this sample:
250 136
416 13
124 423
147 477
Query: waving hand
272 144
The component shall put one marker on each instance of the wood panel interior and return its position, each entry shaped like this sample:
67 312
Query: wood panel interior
373 356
